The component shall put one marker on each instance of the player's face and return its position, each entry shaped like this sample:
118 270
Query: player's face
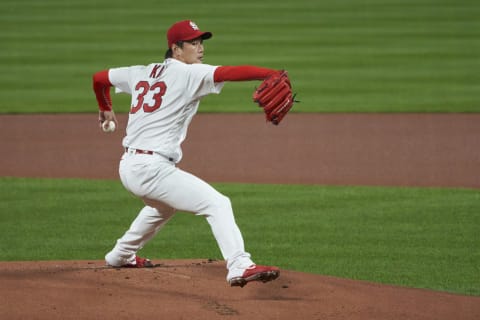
192 51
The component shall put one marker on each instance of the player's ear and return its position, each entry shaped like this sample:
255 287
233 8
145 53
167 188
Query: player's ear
176 50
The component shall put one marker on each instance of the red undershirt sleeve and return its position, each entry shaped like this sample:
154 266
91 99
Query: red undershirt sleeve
241 73
101 86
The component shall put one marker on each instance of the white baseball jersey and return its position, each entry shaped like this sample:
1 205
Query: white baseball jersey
165 97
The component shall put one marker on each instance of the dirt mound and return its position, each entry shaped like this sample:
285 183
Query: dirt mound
197 289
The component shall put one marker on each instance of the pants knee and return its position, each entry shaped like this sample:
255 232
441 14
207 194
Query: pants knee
224 203
221 205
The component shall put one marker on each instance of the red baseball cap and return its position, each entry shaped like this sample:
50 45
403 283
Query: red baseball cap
185 30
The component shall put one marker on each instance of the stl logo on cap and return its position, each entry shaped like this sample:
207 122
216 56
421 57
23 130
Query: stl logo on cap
194 26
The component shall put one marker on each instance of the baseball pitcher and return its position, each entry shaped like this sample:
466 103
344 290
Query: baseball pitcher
164 98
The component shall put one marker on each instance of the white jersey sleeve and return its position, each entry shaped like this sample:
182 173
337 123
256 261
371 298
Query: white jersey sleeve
200 81
121 78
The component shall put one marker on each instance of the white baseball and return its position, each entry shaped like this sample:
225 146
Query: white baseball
108 126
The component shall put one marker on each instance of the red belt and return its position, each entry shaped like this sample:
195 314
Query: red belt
139 151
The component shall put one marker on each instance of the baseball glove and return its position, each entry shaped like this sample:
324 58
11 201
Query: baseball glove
275 96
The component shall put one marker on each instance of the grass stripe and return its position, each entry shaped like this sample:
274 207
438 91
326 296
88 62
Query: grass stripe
343 56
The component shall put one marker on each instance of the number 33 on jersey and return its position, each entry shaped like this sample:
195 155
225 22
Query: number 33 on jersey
154 92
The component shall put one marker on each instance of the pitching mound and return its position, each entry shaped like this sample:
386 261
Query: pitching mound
196 289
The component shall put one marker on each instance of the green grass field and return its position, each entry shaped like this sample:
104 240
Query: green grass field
343 56
419 237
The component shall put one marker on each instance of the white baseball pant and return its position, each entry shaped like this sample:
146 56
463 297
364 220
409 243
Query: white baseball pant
164 189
